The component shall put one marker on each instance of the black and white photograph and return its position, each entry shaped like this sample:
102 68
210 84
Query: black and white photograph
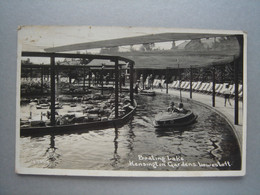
131 101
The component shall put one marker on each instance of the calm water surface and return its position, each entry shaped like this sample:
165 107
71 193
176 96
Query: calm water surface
208 141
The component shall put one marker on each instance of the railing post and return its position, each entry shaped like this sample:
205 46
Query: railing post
84 77
120 79
213 86
191 82
89 77
42 80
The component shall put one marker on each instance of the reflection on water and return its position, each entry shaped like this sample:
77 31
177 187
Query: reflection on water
116 158
208 141
51 153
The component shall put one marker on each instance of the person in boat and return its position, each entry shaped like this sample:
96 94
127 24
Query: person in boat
181 109
172 108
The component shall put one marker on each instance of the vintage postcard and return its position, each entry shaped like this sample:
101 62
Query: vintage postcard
131 101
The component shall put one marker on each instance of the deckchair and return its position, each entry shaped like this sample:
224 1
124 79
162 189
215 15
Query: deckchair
176 85
203 85
156 81
199 89
196 88
194 83
219 89
205 88
187 86
184 84
209 88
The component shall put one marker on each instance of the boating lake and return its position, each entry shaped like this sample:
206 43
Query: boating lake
208 144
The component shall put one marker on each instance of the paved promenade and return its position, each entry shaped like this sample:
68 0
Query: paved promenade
227 112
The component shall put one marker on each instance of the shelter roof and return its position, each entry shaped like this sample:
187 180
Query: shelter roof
193 53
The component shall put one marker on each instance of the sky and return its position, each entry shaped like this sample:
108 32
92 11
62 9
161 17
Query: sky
37 38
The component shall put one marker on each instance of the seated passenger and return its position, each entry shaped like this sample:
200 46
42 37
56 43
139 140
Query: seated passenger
181 109
172 108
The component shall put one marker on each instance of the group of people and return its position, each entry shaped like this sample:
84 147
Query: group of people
149 81
180 109
141 82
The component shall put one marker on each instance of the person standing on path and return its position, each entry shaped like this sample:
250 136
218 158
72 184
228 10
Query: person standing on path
227 94
160 84
147 84
137 88
151 82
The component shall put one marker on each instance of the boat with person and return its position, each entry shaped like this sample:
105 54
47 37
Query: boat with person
147 92
174 119
175 116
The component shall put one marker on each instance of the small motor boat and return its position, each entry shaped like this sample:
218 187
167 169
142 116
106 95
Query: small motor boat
174 119
42 106
147 92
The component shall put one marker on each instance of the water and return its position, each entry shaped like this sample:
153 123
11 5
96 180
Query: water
139 146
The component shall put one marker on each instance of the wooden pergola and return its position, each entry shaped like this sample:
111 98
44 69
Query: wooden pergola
53 67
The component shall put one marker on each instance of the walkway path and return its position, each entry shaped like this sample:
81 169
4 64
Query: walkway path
227 112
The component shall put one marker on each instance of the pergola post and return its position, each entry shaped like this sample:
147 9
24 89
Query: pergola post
120 79
31 74
116 88
166 80
143 80
131 84
101 79
84 78
52 91
191 82
213 86
89 77
42 80
48 74
57 76
179 72
69 75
